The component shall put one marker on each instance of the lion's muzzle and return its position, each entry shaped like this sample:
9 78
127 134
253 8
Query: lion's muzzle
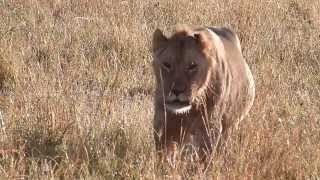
178 104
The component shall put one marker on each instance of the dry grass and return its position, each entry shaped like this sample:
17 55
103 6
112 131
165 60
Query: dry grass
76 88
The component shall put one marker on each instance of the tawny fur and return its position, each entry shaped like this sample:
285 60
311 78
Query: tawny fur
205 66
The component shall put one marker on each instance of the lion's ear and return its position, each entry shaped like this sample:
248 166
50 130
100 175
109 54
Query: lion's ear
158 39
210 41
203 41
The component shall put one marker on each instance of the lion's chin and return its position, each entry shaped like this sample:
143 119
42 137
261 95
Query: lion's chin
178 108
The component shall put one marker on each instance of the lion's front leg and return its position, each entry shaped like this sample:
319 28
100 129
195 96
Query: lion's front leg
165 139
166 146
158 127
157 134
204 145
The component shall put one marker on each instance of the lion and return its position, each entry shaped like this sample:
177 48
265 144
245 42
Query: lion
203 87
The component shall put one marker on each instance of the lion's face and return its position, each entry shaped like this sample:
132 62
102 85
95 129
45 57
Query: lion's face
182 70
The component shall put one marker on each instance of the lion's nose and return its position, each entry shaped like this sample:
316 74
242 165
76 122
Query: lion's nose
177 91
179 87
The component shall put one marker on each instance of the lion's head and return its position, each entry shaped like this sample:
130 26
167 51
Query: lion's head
182 65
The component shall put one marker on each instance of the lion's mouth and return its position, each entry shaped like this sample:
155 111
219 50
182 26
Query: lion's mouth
178 107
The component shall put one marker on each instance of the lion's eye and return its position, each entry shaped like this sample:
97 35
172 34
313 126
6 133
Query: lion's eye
166 66
192 67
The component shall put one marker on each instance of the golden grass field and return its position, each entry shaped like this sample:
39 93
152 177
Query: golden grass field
76 88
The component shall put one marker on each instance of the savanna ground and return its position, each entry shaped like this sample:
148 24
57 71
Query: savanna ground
77 85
